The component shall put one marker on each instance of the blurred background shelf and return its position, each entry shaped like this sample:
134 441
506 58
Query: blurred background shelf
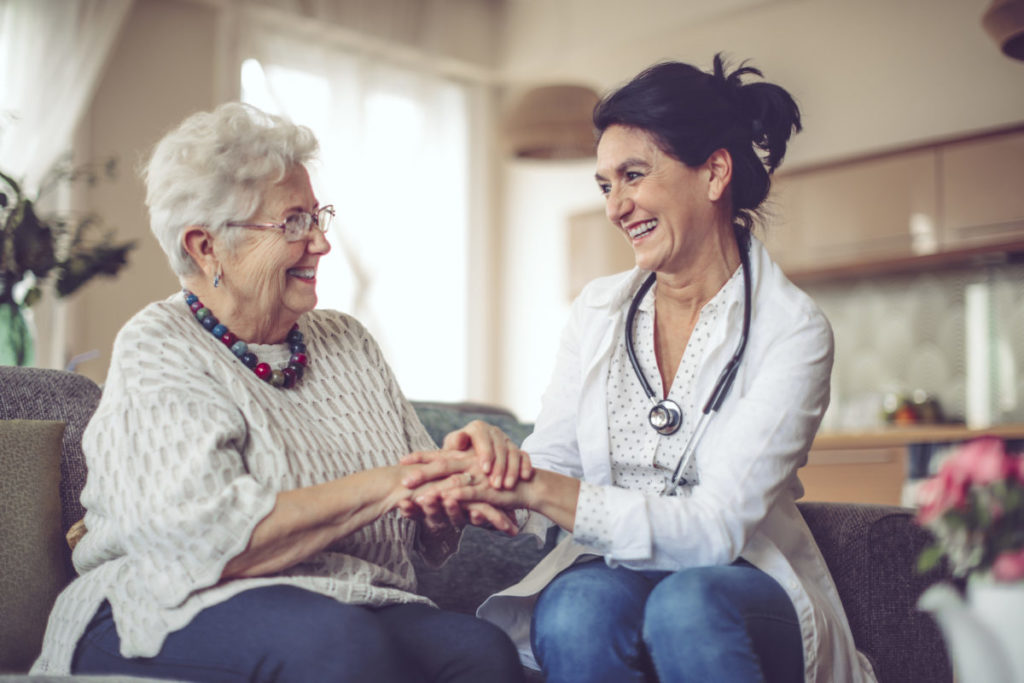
885 466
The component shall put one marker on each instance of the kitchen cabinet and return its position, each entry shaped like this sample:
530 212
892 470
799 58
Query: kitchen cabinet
921 208
872 467
861 211
855 475
982 195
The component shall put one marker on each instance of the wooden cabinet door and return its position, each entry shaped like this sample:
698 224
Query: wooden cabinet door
855 475
982 185
877 208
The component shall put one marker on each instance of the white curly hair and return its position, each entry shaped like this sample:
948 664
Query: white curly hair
213 169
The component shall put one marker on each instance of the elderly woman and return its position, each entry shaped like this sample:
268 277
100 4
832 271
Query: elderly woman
685 397
243 461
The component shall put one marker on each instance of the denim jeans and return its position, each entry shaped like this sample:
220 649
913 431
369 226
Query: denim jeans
723 624
283 633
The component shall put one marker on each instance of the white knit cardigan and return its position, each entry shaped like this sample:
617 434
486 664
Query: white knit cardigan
186 453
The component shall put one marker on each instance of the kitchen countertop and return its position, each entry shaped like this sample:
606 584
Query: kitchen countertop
911 434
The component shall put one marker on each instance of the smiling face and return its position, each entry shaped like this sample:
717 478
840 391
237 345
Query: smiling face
669 212
269 282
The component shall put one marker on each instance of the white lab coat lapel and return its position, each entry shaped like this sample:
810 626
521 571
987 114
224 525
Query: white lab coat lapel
592 428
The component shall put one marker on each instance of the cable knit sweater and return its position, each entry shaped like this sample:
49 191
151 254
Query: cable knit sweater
186 453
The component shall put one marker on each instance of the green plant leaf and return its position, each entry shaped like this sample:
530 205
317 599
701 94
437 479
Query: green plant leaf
103 259
33 243
56 245
929 557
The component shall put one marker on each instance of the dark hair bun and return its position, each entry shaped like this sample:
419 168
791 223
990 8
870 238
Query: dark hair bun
774 116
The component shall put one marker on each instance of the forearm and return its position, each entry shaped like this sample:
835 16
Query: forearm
549 493
554 496
305 521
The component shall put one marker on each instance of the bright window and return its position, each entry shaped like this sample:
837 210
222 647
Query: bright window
394 162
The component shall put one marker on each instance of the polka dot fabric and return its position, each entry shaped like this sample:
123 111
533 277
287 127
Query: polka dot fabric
640 457
186 454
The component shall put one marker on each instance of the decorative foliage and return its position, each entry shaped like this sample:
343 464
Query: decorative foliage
975 508
34 247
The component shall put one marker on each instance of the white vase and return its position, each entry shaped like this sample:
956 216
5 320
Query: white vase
985 633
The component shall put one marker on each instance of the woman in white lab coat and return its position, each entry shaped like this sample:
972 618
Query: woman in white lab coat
685 556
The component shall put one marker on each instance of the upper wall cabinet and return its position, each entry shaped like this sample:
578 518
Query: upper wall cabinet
902 208
855 212
982 192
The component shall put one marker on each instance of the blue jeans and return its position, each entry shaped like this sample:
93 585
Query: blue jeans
729 623
283 633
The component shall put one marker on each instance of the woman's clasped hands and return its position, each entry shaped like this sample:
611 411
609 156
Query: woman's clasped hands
471 479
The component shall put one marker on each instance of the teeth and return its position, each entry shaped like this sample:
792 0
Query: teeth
643 228
307 273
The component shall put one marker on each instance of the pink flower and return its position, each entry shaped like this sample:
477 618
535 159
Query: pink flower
1009 566
982 461
944 491
973 506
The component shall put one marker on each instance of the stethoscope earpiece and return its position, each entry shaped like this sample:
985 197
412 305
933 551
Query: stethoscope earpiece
666 417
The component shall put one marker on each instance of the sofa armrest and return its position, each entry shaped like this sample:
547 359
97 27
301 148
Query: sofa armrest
871 551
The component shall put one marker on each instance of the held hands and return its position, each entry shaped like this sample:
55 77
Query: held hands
445 474
465 480
499 457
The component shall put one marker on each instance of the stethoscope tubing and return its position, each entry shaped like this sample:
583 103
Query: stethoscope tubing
722 385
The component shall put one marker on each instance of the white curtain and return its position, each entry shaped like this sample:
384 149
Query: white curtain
51 56
394 162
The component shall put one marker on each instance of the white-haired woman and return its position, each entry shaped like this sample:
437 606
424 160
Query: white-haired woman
243 461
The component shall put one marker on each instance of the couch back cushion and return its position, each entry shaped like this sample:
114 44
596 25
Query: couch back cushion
487 561
871 552
441 418
33 556
41 394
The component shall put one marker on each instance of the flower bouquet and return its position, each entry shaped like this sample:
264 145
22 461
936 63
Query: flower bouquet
974 506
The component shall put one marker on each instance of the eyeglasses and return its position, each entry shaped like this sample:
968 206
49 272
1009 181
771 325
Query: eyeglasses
296 226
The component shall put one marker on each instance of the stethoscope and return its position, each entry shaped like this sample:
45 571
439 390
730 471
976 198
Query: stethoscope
666 417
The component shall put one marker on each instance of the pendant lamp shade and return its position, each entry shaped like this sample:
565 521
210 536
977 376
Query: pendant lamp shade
552 122
1004 21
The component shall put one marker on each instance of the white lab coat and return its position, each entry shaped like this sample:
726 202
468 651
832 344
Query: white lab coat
744 505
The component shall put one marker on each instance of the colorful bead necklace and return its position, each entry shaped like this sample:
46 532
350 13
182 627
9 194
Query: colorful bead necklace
286 377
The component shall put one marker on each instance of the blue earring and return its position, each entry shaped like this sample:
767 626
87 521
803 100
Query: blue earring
216 278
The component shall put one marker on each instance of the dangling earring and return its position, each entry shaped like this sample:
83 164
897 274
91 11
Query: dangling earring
217 277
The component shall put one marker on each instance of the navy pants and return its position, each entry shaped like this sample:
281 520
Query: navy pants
726 624
283 633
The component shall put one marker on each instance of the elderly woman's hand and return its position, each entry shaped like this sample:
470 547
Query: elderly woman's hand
430 474
499 457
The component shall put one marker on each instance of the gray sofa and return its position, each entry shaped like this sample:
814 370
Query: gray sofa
871 550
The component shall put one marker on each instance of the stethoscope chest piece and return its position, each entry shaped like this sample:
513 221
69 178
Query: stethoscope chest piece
666 417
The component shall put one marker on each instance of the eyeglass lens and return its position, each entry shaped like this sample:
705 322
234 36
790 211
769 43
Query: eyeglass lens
298 225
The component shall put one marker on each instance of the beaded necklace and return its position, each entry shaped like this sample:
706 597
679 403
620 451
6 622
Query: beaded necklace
286 377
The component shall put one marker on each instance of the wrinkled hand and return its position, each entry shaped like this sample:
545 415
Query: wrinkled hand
434 472
499 457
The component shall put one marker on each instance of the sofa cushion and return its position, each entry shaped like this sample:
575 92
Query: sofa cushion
44 394
487 561
33 564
